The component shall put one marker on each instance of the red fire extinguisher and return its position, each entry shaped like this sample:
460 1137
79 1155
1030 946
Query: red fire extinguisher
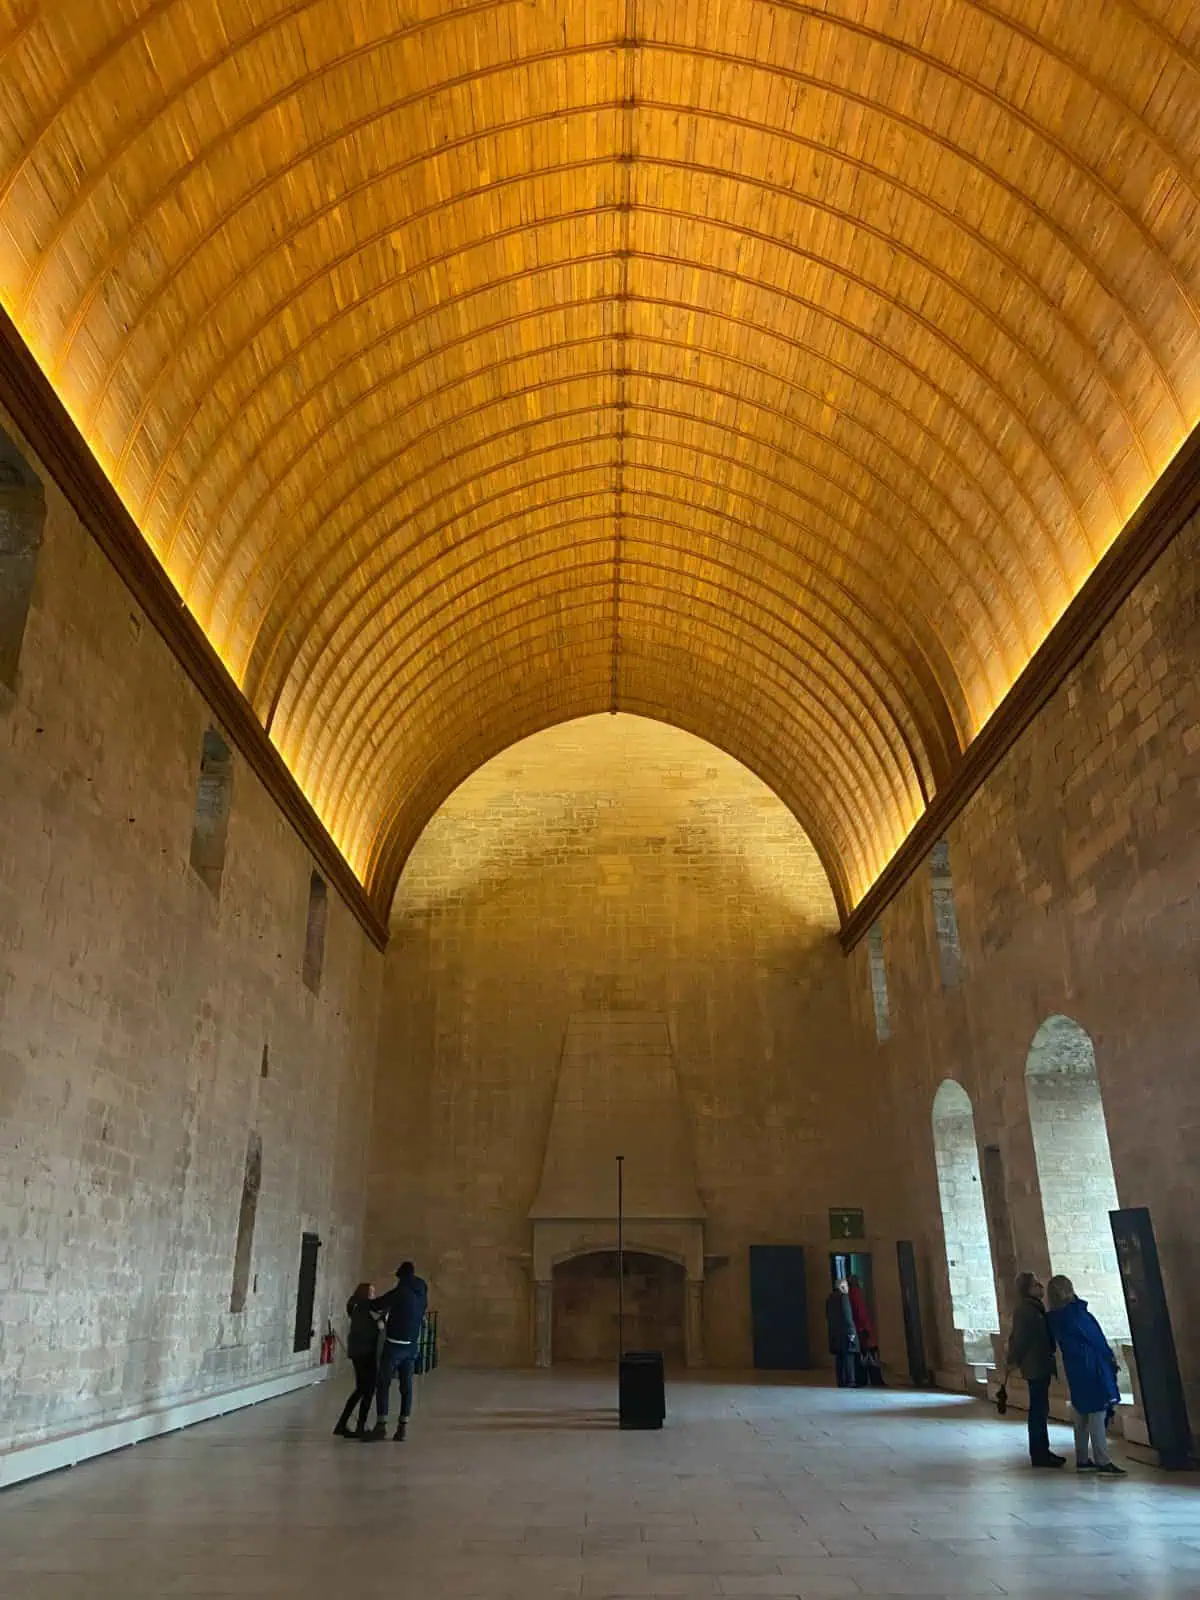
328 1345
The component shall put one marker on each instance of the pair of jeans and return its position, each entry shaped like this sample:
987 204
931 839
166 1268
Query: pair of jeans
845 1362
1039 1418
1091 1443
365 1379
398 1360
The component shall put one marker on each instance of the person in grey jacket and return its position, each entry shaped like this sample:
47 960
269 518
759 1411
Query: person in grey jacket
1031 1351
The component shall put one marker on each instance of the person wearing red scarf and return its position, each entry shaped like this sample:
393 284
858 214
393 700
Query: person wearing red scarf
868 1344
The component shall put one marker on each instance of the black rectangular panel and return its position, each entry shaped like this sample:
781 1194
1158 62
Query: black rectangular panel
642 1392
910 1304
306 1291
1153 1339
779 1308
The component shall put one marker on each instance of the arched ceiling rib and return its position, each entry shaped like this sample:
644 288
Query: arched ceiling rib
779 370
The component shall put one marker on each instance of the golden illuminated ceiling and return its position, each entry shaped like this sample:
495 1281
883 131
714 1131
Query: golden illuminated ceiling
778 370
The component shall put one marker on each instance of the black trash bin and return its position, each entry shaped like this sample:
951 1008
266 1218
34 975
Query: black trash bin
642 1390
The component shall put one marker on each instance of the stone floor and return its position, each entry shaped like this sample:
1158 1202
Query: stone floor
519 1484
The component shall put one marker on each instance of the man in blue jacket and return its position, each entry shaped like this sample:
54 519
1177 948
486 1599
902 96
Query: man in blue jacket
404 1307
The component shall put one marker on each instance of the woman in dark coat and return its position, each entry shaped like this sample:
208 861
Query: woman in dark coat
363 1349
1091 1370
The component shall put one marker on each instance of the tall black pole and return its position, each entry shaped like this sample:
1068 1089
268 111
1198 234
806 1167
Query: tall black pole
620 1258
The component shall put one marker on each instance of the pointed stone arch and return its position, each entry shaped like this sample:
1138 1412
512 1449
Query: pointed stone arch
1074 1165
964 1222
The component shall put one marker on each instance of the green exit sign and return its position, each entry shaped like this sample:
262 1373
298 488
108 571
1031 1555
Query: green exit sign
847 1224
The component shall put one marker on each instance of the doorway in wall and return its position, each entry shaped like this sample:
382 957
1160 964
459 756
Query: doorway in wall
779 1308
854 1264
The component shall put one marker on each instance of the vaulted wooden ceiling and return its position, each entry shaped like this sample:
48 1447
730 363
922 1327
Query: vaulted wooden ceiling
778 370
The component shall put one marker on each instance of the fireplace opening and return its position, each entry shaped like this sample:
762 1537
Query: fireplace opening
585 1307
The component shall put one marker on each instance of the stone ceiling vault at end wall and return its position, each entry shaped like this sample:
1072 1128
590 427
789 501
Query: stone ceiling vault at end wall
777 370
619 793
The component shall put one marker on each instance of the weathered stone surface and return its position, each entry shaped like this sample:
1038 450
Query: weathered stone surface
1076 872
135 1006
610 865
621 871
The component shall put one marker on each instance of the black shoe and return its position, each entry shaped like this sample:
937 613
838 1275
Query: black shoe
342 1432
1085 1466
379 1431
1110 1469
401 1430
1050 1460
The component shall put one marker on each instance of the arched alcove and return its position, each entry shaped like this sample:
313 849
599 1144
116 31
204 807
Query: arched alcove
964 1222
1075 1170
585 1313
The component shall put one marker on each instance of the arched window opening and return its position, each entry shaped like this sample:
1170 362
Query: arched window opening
964 1222
1074 1164
210 821
251 1184
22 517
945 917
314 935
879 988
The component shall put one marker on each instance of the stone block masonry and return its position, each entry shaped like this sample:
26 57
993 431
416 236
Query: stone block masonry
1076 874
612 865
135 1005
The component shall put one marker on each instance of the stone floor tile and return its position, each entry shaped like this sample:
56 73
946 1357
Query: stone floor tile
776 1490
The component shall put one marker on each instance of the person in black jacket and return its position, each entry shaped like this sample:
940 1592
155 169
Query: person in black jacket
843 1338
363 1349
1031 1350
405 1308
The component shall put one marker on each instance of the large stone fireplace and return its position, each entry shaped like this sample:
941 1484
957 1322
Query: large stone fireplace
617 1094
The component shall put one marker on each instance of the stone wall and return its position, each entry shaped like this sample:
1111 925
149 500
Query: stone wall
610 863
1076 872
147 1026
587 1311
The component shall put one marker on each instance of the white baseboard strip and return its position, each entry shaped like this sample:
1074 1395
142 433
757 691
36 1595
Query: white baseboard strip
66 1450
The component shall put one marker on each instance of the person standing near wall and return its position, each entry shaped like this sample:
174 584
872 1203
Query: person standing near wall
362 1346
869 1364
405 1307
843 1341
1031 1351
1091 1370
